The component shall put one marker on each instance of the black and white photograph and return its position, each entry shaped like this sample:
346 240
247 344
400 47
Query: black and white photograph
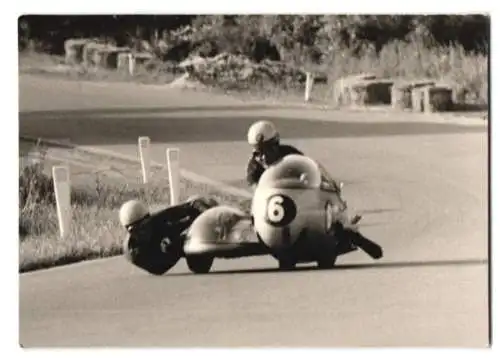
254 180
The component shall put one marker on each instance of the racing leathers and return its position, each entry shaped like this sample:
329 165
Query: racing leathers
259 162
155 243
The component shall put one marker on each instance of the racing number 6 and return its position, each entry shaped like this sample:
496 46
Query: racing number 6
281 210
275 210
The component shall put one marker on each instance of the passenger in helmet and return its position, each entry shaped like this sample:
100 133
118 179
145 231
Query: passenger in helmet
265 141
155 239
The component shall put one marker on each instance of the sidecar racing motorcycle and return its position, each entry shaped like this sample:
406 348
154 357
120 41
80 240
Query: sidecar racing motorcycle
296 216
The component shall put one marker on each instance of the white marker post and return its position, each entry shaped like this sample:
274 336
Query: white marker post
62 189
309 85
173 166
131 64
145 156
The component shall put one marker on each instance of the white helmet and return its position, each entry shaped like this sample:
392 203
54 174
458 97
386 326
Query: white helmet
262 131
132 211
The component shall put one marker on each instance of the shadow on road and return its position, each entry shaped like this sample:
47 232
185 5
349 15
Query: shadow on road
344 267
117 126
377 210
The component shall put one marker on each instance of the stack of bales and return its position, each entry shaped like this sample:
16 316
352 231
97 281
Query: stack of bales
362 89
403 92
92 53
432 98
423 95
74 50
107 57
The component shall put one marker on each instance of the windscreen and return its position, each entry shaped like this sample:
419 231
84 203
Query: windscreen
293 168
327 182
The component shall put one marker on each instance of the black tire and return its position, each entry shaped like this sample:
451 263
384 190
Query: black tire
286 264
327 262
199 264
159 268
327 254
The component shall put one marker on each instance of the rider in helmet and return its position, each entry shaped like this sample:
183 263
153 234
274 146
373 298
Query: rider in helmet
154 240
265 141
267 149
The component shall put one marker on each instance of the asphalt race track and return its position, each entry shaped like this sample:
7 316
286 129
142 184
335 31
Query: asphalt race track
422 187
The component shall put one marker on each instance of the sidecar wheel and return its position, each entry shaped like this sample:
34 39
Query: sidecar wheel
199 264
287 264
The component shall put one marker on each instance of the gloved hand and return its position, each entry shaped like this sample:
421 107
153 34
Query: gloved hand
201 204
260 158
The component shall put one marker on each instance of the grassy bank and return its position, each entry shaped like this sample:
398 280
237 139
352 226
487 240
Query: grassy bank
95 232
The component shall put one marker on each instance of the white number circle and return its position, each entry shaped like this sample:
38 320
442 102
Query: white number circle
275 209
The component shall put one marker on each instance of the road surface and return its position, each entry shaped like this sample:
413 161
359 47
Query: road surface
422 187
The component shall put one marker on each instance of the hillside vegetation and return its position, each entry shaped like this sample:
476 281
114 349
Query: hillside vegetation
452 48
